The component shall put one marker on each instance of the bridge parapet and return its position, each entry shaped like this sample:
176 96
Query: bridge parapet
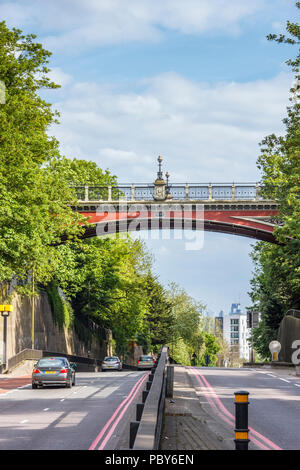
197 192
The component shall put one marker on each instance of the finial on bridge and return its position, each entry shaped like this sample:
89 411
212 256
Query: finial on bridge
161 188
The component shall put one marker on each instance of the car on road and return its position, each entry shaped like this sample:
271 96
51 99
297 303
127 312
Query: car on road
145 362
111 363
53 371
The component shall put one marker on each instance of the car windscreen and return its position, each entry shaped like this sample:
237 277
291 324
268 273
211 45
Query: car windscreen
111 359
52 363
146 358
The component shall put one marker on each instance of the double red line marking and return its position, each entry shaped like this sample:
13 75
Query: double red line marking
218 407
106 432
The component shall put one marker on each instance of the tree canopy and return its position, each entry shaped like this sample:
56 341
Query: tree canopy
276 281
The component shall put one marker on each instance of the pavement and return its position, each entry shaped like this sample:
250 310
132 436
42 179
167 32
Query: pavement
187 425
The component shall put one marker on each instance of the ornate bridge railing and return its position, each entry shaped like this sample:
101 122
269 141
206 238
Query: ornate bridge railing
178 192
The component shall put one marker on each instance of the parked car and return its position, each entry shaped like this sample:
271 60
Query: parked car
111 363
145 362
53 371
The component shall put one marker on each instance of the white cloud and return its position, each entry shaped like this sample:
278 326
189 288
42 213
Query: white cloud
205 132
59 77
73 24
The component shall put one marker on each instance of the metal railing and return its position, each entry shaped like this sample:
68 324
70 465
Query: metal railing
178 192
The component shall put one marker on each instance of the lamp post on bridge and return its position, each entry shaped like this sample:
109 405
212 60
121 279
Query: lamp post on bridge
161 188
168 195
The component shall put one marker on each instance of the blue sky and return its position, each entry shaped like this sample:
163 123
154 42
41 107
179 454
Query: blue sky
195 81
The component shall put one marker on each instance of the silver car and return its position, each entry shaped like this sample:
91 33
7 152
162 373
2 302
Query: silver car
53 371
145 362
111 363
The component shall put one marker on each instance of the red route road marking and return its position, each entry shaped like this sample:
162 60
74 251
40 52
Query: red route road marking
12 383
222 411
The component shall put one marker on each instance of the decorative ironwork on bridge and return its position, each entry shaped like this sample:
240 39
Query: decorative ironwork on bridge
161 190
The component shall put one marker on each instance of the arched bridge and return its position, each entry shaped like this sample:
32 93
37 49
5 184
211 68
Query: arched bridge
221 207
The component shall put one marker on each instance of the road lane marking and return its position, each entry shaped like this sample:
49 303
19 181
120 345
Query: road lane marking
284 380
229 419
221 410
106 392
297 385
46 409
271 375
115 419
24 421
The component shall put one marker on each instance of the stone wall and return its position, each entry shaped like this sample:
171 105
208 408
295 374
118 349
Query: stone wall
289 331
47 335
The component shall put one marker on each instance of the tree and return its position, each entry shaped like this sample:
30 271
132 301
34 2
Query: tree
104 280
34 205
187 324
211 349
276 281
158 319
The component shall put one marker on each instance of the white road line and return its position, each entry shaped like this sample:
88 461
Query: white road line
284 380
62 399
104 393
297 385
271 375
46 409
24 421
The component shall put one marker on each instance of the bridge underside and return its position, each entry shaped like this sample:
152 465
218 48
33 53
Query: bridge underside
121 226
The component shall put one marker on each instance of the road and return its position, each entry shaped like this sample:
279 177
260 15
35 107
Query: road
274 410
94 414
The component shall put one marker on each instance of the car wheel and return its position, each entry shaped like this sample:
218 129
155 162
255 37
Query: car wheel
73 383
34 386
69 383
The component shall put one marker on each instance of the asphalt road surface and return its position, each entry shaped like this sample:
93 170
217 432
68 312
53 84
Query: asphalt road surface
274 409
94 414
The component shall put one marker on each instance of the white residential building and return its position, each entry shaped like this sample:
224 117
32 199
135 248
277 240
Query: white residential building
235 330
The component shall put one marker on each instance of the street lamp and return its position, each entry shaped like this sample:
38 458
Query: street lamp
275 348
5 311
167 186
159 173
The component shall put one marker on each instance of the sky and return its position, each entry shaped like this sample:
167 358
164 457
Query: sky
195 81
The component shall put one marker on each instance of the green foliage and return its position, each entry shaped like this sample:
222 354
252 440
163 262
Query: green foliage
211 348
186 331
276 281
158 320
34 210
83 333
104 280
61 309
180 352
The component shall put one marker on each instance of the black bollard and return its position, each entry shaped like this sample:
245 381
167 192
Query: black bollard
139 411
241 420
144 395
134 426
